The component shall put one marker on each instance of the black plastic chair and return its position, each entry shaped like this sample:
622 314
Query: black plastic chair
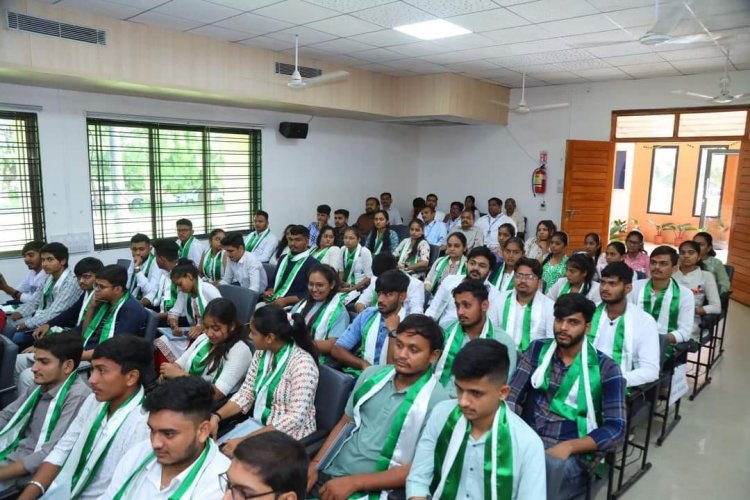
434 254
270 270
124 263
243 299
8 353
709 325
152 325
721 332
679 356
402 231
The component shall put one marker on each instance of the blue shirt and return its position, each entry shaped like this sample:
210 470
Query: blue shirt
352 337
131 318
435 232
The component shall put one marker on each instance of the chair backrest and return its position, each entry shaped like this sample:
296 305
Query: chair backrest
270 270
663 343
730 272
402 231
434 253
244 300
8 353
334 388
152 323
125 263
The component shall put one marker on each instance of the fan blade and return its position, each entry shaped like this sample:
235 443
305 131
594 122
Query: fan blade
594 45
746 95
545 107
692 94
668 17
688 39
499 103
334 76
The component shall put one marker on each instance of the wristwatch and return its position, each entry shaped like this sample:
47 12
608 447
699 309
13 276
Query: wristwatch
137 269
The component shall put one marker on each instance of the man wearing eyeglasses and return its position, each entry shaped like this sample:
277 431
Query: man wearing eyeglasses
267 466
526 314
180 460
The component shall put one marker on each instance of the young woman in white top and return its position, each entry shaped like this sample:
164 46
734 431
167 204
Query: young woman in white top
702 283
470 203
502 276
454 262
537 247
213 261
356 265
282 248
593 247
325 251
219 355
579 278
413 253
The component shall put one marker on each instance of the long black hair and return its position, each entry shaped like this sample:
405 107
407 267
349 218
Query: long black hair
283 243
332 277
373 236
709 240
598 241
415 246
584 263
557 234
695 246
184 267
273 319
224 312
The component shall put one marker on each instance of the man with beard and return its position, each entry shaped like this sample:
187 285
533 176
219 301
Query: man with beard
366 220
180 460
33 280
340 223
383 419
526 314
478 267
574 397
487 444
474 235
370 330
471 300
622 331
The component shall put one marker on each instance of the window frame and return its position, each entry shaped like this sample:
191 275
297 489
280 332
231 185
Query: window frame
696 206
678 112
35 190
651 180
154 189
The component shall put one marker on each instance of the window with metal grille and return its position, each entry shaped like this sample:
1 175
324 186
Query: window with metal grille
146 176
21 199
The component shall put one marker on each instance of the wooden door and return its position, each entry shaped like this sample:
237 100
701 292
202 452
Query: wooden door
739 238
589 173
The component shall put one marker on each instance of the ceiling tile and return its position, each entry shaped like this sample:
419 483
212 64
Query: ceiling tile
343 60
609 5
496 73
378 55
311 53
268 43
221 33
650 70
418 49
559 77
517 34
483 53
687 52
377 68
703 65
488 20
197 10
244 5
172 22
296 12
601 74
552 10
138 4
464 42
506 3
394 14
620 49
601 38
307 36
418 66
344 26
253 23
649 57
342 46
446 8
579 25
384 38
347 6
628 18
471 66
581 65
535 47
103 8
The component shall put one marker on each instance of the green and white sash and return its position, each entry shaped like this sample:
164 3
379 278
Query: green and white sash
254 239
454 341
88 453
370 339
441 265
319 253
184 252
404 254
401 442
281 286
50 289
12 434
270 370
167 294
622 346
504 281
87 300
668 293
450 450
195 312
212 265
379 241
532 317
197 361
133 287
325 319
188 485
579 396
350 259
107 313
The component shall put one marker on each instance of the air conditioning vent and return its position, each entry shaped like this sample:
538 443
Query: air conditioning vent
40 26
305 71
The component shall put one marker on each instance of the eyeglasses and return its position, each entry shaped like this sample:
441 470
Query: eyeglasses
102 287
525 277
225 485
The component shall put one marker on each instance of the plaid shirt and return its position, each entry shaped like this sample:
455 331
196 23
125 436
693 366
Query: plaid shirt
553 428
61 299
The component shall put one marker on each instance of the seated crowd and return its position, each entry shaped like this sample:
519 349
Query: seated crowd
497 370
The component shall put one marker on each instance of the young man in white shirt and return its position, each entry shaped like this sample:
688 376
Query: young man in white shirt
180 460
261 242
381 263
490 223
143 273
33 280
164 296
243 267
453 218
386 203
108 424
190 247
432 201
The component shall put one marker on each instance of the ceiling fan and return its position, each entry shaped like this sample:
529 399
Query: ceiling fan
725 96
522 108
297 82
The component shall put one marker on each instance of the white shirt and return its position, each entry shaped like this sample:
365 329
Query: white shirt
180 308
541 305
333 258
592 295
705 293
362 265
443 308
233 370
645 344
685 316
196 250
146 284
163 286
489 226
438 215
265 249
248 272
394 216
414 295
207 487
453 224
30 284
133 430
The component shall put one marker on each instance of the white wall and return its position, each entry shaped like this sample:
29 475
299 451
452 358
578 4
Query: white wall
491 161
340 163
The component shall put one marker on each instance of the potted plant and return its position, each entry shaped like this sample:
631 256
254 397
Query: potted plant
680 232
636 225
617 229
660 228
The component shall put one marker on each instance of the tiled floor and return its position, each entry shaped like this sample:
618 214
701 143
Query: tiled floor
707 456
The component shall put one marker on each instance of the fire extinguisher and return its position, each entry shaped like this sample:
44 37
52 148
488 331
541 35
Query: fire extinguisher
539 180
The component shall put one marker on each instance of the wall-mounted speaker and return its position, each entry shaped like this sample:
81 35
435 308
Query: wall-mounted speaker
293 130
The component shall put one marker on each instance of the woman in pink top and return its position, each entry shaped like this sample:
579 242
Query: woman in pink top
636 257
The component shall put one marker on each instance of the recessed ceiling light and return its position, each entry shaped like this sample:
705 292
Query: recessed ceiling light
432 30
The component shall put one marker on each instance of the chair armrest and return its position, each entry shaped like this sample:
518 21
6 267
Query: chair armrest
318 435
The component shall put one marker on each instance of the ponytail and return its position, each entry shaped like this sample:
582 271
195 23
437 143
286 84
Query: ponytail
273 319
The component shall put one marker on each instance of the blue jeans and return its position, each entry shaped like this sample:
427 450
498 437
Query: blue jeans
23 339
566 479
